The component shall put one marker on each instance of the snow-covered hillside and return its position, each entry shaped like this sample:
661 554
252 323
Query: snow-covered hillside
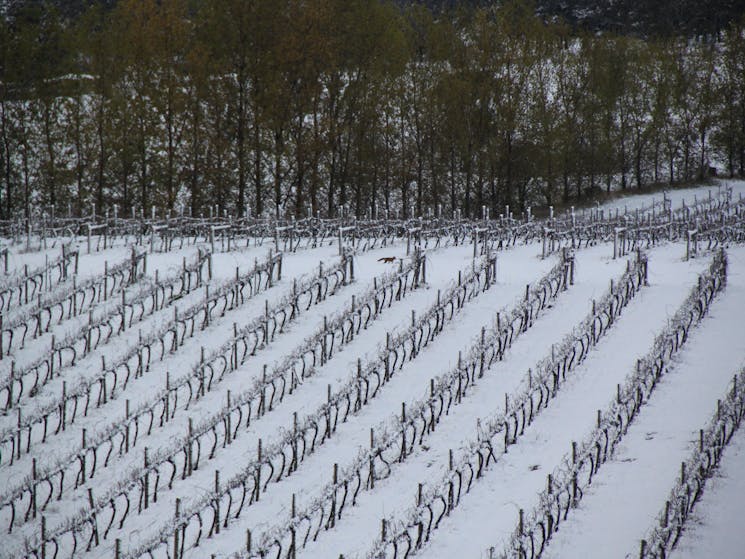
299 403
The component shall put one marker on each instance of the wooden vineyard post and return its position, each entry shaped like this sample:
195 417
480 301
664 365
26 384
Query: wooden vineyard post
43 537
217 501
146 478
33 491
521 522
177 516
189 453
126 426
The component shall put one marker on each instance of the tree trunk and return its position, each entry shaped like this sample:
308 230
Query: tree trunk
102 154
241 139
258 178
7 159
278 149
195 198
702 169
453 192
170 182
51 156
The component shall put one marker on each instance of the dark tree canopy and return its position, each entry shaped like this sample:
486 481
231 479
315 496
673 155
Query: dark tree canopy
291 107
647 18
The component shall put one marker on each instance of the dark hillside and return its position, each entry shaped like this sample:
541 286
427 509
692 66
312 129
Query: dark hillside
639 17
646 18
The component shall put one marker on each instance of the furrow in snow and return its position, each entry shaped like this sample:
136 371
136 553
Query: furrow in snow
630 489
516 268
360 525
489 513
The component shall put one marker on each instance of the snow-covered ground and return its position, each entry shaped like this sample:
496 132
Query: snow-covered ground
487 516
628 490
429 462
715 528
627 494
677 196
515 269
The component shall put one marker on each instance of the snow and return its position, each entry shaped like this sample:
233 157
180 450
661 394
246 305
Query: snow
676 195
626 494
715 526
487 516
629 491
594 272
315 471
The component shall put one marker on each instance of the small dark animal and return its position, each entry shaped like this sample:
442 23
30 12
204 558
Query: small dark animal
387 259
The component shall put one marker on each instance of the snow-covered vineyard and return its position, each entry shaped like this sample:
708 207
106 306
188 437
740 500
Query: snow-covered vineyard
567 386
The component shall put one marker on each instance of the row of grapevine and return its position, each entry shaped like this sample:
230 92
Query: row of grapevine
405 535
396 439
221 429
700 466
26 287
70 301
284 456
119 437
64 353
577 470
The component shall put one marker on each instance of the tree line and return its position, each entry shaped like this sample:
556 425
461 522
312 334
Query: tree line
300 107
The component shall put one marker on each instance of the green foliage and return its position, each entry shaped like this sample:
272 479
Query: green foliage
294 107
